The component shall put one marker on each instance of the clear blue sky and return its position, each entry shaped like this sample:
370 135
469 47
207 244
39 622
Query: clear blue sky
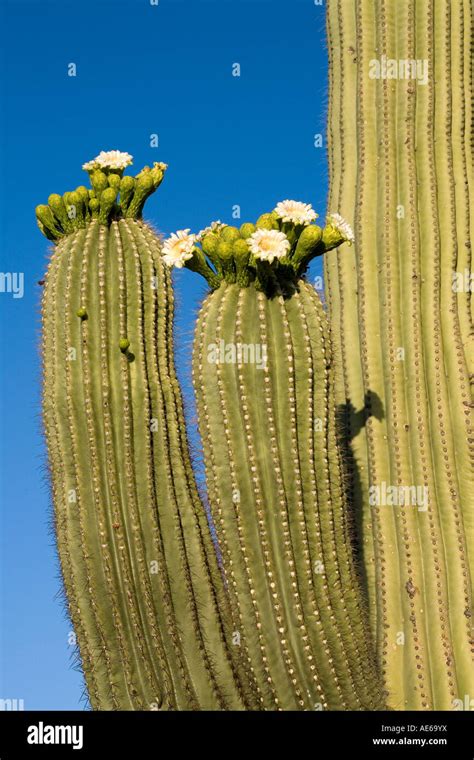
141 69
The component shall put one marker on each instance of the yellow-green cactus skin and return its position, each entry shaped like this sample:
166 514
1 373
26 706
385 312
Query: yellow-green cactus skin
401 156
145 593
263 378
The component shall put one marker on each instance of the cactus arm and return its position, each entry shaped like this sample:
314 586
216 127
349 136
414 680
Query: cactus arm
284 542
405 293
148 638
279 515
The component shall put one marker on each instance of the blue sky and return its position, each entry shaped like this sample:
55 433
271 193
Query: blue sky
142 69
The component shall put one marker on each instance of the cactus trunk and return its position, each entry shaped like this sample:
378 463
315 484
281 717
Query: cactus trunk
146 595
401 167
263 380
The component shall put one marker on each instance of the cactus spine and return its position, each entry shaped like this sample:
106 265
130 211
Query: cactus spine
263 379
145 593
402 170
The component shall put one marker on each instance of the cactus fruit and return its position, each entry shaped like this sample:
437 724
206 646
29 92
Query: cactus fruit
145 592
262 373
401 167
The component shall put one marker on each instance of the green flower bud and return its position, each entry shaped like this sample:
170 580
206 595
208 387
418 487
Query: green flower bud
308 246
84 196
75 210
107 202
94 207
127 188
59 210
268 222
229 234
114 181
99 181
241 254
209 244
83 193
47 222
224 254
199 264
224 250
143 188
247 229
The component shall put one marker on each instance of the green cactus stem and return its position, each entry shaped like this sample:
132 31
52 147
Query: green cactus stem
146 596
262 374
401 168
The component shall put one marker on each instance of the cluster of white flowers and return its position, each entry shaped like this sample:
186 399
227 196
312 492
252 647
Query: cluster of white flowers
268 245
339 223
296 212
265 245
109 159
178 248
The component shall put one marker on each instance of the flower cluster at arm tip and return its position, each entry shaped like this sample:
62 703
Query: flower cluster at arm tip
271 254
111 196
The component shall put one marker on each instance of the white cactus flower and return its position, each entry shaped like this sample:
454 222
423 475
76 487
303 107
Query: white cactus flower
178 248
90 165
216 226
109 159
296 212
268 245
339 223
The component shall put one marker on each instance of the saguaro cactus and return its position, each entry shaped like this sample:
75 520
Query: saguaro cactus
146 595
401 163
262 372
